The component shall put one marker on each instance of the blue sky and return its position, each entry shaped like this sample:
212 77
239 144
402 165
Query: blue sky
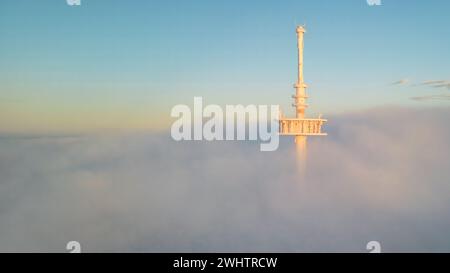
124 64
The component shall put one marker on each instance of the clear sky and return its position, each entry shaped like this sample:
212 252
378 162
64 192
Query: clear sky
121 64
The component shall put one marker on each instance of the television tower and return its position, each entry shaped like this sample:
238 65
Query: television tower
301 127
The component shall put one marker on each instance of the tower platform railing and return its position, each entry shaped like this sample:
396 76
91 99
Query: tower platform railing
302 127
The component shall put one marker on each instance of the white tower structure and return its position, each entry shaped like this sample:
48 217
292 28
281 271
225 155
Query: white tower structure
301 127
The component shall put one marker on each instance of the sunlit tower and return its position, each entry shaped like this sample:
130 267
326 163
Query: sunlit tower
301 127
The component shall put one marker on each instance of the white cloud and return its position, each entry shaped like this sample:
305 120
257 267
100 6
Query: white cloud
400 82
380 175
433 82
432 97
437 83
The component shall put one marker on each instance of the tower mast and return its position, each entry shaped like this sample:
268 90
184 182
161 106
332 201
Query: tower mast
300 86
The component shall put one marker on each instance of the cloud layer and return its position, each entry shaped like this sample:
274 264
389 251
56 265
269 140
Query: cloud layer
440 84
381 174
432 97
437 83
